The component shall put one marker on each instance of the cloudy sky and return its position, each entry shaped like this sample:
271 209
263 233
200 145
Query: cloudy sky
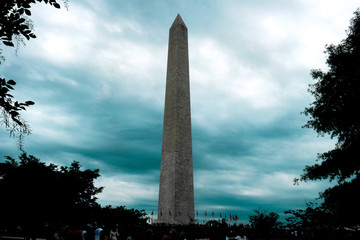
97 74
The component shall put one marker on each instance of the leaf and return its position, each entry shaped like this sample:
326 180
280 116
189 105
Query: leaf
17 121
8 43
11 82
9 87
28 103
4 90
14 114
28 12
32 35
23 27
21 20
56 5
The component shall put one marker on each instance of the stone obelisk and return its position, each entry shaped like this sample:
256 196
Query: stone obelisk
176 193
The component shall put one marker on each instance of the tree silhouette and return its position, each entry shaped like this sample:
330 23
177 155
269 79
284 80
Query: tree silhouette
33 193
15 22
10 111
126 218
313 217
264 221
335 112
15 27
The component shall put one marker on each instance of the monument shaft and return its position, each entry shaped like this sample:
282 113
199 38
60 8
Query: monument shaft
176 193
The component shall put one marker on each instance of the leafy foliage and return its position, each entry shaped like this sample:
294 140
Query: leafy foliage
15 26
335 112
39 196
15 23
342 202
264 221
312 217
10 110
33 192
110 216
318 222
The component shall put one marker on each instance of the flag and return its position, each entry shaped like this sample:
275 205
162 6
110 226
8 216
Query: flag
169 212
212 214
152 213
205 214
220 215
197 213
230 218
225 215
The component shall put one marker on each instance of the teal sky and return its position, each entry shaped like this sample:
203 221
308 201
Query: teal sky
97 75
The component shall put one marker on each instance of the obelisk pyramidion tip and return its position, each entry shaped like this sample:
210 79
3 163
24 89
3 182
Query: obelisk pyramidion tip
178 21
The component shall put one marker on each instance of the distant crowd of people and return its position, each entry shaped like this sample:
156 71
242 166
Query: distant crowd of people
159 232
97 233
211 230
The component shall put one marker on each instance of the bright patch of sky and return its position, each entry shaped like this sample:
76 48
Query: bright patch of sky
97 74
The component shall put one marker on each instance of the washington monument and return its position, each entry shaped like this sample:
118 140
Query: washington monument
176 193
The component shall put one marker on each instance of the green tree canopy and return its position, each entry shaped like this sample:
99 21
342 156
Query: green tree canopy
335 112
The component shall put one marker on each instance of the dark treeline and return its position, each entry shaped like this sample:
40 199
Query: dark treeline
47 200
212 230
38 198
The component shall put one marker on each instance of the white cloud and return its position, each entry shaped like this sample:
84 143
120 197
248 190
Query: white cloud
113 51
51 76
57 125
64 37
123 190
234 88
